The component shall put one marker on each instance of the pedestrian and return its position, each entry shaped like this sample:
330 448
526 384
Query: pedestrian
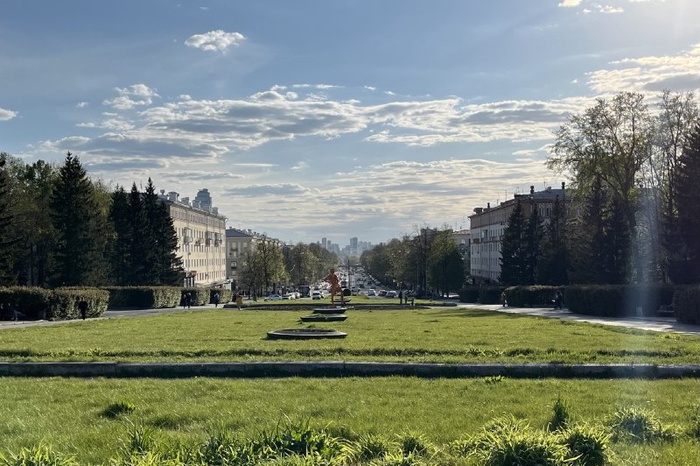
83 308
400 297
216 298
335 287
504 300
188 300
557 301
239 300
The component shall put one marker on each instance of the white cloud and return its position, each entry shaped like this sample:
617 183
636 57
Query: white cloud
215 41
570 3
136 95
6 115
650 74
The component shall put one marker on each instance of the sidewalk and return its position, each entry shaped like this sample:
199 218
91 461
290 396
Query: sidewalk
656 324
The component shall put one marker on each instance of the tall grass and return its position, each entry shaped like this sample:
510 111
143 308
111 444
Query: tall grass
415 417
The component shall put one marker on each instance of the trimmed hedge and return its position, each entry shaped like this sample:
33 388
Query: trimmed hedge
686 304
144 297
35 303
481 294
618 300
225 295
529 296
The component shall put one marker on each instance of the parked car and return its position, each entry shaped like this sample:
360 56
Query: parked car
289 296
391 294
371 292
381 293
273 297
316 294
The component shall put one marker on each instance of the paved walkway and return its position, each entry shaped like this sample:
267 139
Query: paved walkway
657 324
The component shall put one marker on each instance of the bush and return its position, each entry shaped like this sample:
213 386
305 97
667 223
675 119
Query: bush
508 441
41 455
225 295
34 303
144 297
490 294
618 300
560 416
469 294
638 425
686 304
528 296
588 444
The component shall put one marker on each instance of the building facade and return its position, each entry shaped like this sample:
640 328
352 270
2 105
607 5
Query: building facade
201 243
488 224
240 243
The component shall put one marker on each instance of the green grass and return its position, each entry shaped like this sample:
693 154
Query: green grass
445 335
72 416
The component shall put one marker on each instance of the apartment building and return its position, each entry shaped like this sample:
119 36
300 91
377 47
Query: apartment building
200 232
488 224
240 243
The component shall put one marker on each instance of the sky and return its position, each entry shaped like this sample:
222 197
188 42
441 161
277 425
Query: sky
308 119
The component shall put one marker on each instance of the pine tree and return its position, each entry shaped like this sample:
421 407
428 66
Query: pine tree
532 241
6 236
140 251
120 246
168 268
687 190
512 249
553 263
80 227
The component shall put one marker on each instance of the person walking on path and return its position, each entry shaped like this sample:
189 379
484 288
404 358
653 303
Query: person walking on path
216 299
239 300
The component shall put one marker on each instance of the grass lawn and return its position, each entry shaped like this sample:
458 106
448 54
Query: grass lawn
69 414
446 335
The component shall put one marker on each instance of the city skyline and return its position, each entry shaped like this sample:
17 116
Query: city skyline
336 119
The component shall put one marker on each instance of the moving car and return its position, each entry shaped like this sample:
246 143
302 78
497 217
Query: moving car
391 294
273 297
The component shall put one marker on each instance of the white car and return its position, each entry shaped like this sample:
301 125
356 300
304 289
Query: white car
273 297
371 292
316 294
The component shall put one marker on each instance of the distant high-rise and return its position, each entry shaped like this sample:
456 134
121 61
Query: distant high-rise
203 199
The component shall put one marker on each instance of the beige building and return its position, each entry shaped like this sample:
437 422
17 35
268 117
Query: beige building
200 233
240 243
488 224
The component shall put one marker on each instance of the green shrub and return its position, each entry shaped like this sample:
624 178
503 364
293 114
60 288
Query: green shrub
199 296
469 294
490 294
225 295
144 297
560 416
528 296
638 425
589 445
40 455
412 443
509 441
618 300
686 304
366 448
118 408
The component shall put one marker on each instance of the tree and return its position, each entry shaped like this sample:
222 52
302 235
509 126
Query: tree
610 142
532 241
141 243
686 269
512 248
553 262
80 226
7 239
166 267
120 242
264 266
445 264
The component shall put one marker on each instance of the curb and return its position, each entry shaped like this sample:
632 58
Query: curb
344 369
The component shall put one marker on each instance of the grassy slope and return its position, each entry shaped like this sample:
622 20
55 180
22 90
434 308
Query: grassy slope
432 335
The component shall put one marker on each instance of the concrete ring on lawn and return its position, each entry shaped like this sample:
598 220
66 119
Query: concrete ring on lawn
330 310
304 334
324 318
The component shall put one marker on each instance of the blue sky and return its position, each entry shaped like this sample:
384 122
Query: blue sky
310 119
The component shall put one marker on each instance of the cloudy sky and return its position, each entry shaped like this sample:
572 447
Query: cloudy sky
309 119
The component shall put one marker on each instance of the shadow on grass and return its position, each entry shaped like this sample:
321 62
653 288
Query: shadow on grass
467 312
